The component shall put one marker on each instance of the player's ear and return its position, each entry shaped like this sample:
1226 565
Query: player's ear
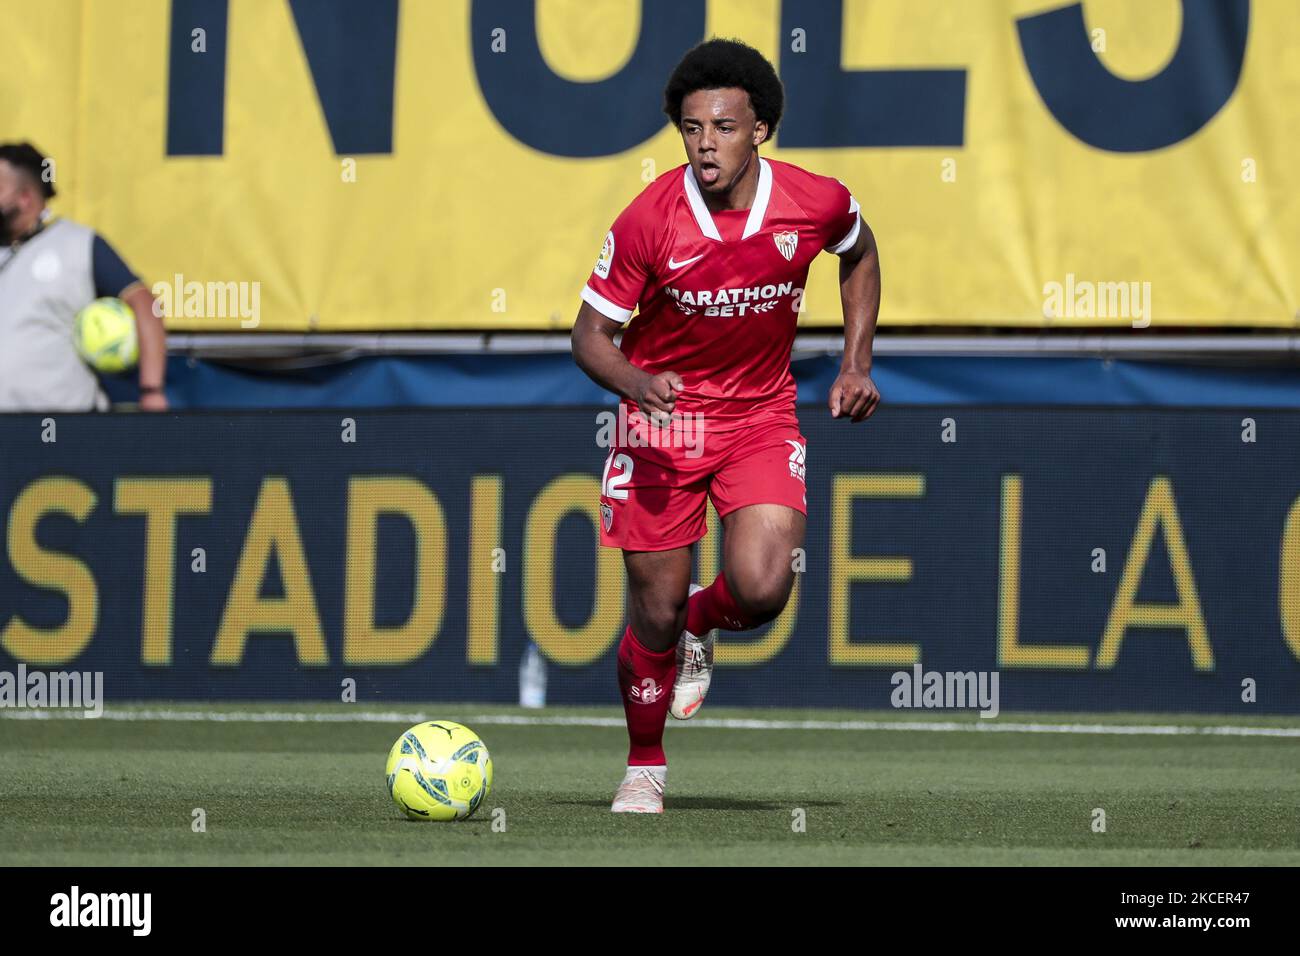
760 133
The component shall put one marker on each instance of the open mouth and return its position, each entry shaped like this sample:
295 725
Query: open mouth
708 172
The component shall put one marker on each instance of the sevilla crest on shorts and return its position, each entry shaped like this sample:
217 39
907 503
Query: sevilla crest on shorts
786 243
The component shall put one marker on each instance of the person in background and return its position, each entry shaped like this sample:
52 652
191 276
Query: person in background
50 269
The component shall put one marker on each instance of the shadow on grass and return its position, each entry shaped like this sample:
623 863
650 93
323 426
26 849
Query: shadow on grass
709 803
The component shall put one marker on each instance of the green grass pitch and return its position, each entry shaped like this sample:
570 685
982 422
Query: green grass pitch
117 792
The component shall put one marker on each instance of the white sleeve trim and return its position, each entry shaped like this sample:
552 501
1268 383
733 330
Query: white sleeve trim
602 305
845 244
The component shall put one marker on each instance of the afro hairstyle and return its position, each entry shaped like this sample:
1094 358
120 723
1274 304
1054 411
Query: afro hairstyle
720 64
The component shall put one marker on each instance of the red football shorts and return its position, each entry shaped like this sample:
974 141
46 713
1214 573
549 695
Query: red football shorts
654 488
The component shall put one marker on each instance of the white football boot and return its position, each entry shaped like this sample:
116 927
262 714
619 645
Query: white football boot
642 791
694 671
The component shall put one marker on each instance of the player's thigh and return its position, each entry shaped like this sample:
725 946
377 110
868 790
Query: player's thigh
759 492
653 506
759 545
658 585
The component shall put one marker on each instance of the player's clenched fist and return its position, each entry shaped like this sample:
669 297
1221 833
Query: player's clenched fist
853 396
659 393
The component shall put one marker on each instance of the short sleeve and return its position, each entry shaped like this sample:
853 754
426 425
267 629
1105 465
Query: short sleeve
843 223
112 276
623 269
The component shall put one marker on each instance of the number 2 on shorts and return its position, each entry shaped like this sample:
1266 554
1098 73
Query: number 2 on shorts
612 487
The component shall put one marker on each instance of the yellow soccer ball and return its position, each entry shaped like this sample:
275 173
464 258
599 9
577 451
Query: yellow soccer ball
105 336
439 770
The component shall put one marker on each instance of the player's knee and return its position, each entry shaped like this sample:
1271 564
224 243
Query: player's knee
660 615
762 598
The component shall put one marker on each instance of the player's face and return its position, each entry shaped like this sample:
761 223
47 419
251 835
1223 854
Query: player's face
720 131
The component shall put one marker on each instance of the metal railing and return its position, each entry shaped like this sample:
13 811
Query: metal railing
1247 346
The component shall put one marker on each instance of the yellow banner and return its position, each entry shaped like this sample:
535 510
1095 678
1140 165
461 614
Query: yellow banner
455 165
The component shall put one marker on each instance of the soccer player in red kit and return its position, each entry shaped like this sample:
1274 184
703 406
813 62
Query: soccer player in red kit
714 254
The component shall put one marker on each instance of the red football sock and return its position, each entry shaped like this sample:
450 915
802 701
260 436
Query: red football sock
645 681
715 607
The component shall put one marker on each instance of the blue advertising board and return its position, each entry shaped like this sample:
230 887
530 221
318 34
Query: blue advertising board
1096 558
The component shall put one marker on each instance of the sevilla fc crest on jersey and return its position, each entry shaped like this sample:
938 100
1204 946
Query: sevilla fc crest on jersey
786 243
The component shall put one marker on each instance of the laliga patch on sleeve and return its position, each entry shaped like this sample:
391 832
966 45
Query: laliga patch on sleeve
606 256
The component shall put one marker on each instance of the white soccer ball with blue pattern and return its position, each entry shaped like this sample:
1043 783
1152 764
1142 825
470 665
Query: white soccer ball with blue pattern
439 770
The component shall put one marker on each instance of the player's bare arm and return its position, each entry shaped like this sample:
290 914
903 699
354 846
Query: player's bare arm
854 395
596 354
153 348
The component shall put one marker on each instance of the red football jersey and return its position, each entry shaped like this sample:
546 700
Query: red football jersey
718 294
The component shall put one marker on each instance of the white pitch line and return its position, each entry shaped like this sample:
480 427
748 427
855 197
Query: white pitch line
716 723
